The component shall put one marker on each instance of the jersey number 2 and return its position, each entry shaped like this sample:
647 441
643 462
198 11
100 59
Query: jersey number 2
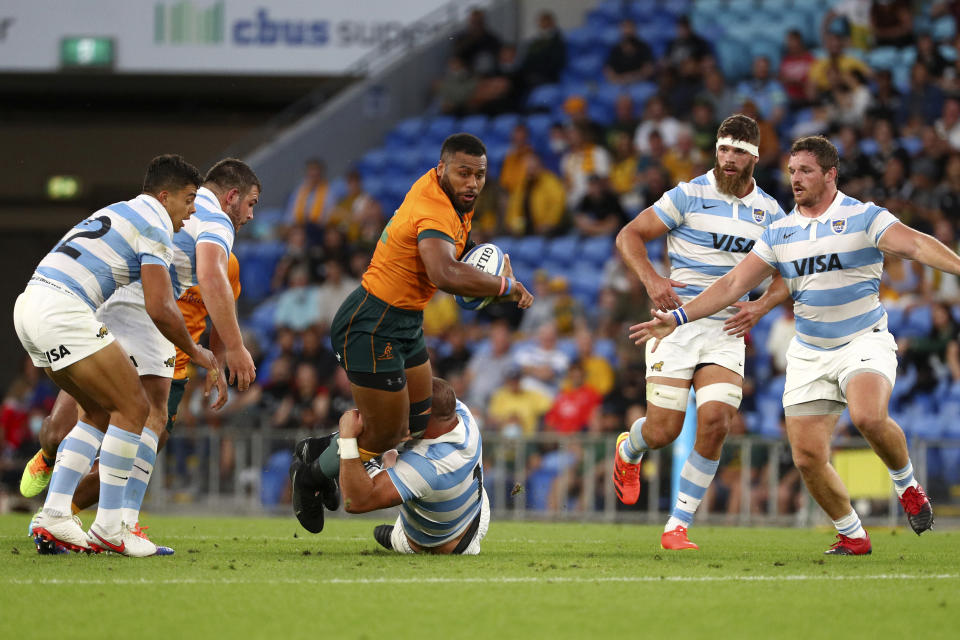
102 231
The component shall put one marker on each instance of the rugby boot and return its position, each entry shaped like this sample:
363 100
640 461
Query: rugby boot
626 476
36 476
919 511
845 546
676 540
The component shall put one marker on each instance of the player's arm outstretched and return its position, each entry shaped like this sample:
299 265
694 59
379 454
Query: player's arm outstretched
221 306
902 241
453 276
163 310
361 493
750 312
632 245
721 294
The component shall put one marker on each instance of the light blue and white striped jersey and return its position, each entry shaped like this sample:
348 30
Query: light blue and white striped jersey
208 224
832 266
105 251
711 232
440 481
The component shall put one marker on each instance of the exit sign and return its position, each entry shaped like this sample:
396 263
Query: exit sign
86 52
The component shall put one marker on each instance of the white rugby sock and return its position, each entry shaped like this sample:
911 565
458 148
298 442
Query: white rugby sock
633 448
695 477
903 479
116 460
139 476
849 525
75 456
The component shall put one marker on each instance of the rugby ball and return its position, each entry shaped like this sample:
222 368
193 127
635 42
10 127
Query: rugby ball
488 258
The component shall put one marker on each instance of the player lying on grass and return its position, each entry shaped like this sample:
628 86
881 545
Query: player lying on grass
830 251
201 259
436 478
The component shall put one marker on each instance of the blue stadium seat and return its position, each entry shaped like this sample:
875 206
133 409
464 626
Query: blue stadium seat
579 41
602 114
917 322
539 125
640 92
496 152
563 248
545 97
769 49
502 125
475 124
597 250
261 321
734 64
587 67
607 93
372 162
883 57
569 347
656 249
607 349
530 249
438 129
944 29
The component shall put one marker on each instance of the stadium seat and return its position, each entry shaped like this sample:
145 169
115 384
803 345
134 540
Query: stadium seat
579 41
372 162
918 322
475 124
587 67
496 152
640 92
502 125
597 250
607 349
539 124
545 97
530 249
563 248
944 29
438 129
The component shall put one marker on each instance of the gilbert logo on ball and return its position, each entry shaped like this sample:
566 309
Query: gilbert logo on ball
488 258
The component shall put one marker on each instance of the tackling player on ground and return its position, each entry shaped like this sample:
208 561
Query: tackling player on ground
711 223
377 334
830 251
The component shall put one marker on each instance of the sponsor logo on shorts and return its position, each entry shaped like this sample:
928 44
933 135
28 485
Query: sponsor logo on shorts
391 381
171 361
387 353
839 226
102 333
657 366
56 353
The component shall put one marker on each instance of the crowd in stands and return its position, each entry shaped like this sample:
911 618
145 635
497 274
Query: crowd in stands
585 129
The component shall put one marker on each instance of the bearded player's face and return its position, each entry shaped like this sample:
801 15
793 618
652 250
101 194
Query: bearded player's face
734 170
462 177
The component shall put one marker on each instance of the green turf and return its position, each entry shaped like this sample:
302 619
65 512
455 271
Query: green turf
267 578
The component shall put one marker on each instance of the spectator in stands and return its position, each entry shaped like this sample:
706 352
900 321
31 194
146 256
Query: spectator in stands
625 171
887 148
849 98
314 351
704 125
624 119
303 406
486 371
576 406
948 124
924 99
456 354
584 158
683 161
631 59
599 212
939 286
514 165
949 190
853 169
542 361
337 285
901 283
310 202
300 253
687 45
476 45
538 205
349 213
567 310
542 312
499 90
597 370
513 404
928 354
887 102
452 91
795 70
656 117
850 20
769 142
835 58
680 87
765 91
298 307
544 55
722 97
892 23
928 54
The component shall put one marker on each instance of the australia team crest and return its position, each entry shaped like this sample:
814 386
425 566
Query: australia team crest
759 215
839 226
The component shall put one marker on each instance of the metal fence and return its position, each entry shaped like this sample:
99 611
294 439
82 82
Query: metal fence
554 477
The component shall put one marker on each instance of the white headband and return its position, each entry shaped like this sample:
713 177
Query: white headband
739 144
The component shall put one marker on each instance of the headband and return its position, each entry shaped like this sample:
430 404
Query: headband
739 144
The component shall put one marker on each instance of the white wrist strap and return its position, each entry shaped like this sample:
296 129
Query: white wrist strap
680 316
348 448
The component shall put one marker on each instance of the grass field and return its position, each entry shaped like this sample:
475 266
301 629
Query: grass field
267 578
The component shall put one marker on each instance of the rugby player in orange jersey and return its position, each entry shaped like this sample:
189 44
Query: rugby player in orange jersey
195 316
377 334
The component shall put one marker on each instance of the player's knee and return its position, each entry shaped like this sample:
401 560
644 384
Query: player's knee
869 419
138 408
808 460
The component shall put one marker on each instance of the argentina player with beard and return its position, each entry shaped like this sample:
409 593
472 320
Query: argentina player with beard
830 252
711 223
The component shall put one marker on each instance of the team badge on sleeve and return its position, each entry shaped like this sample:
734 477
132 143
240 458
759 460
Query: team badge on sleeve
759 215
839 226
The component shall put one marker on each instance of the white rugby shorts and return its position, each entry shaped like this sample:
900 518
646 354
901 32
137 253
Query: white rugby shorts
56 327
125 314
823 375
402 545
700 342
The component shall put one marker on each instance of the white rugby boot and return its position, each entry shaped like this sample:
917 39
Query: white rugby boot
126 543
60 530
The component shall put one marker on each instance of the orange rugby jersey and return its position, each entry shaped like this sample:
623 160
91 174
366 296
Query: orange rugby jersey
396 273
195 313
